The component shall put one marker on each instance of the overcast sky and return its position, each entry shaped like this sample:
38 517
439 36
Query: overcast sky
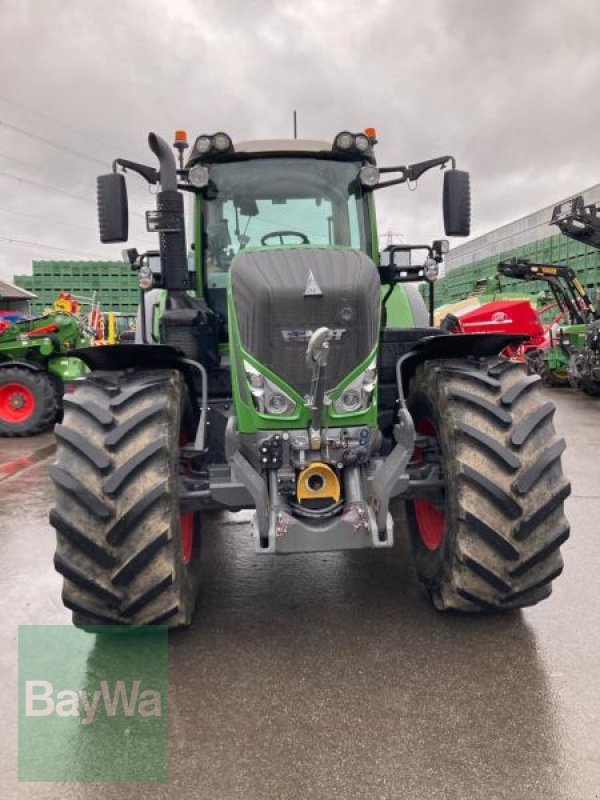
509 87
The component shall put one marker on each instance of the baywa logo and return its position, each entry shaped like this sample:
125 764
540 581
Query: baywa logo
40 701
92 706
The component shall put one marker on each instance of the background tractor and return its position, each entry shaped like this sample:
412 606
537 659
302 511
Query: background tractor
552 359
35 364
554 327
282 366
582 223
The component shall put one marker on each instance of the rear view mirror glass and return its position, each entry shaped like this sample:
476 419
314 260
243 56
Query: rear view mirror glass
113 213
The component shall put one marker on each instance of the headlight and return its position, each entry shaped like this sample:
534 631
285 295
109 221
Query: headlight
358 394
217 143
431 270
369 175
145 278
203 144
222 142
198 176
268 397
344 140
361 142
350 400
278 403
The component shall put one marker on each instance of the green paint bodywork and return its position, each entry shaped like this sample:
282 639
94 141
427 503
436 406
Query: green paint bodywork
557 360
67 368
398 308
248 418
19 343
370 205
568 340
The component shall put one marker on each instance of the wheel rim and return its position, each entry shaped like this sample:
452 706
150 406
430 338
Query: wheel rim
431 522
17 402
186 523
187 519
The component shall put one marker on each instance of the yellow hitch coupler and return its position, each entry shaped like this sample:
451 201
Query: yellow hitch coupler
318 481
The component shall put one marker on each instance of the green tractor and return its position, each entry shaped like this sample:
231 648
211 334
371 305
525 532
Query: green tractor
265 378
581 222
34 366
554 362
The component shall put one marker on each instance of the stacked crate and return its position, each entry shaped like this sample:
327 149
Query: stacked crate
114 285
531 237
459 283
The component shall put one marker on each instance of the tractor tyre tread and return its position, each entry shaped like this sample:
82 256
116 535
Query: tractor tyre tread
118 543
505 487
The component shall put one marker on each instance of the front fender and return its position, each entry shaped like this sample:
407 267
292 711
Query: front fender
113 357
129 356
30 365
460 345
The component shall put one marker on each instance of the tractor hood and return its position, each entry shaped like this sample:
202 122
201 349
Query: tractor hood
282 295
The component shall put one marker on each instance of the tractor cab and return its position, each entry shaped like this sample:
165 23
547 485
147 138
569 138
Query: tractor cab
271 196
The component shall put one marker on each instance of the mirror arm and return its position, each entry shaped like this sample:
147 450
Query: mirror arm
401 169
148 173
414 171
407 248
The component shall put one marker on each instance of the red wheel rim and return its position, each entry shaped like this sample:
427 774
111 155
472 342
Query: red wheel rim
431 522
187 520
187 524
17 402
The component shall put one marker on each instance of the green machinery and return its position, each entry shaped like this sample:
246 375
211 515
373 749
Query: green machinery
572 299
34 366
581 222
284 365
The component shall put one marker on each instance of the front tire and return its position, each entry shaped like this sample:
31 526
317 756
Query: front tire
590 387
554 378
127 555
28 402
492 542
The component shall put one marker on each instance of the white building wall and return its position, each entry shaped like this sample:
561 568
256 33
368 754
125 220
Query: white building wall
515 234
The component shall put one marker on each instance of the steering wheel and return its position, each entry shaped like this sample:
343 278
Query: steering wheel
303 238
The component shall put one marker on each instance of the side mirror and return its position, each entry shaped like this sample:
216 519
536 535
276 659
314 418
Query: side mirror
113 212
457 203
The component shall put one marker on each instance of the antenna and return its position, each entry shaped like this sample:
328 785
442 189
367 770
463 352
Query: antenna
295 117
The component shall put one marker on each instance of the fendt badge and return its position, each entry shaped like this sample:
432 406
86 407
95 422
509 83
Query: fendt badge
312 287
303 336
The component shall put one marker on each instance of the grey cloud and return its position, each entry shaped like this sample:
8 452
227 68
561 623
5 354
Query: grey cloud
509 88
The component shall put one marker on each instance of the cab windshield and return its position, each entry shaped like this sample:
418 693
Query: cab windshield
271 202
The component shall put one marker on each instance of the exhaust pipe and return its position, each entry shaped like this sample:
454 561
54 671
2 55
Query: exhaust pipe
172 245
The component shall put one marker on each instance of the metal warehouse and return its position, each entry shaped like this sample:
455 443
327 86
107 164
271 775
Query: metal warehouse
529 237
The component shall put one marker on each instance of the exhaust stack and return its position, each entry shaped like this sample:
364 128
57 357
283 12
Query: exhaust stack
171 226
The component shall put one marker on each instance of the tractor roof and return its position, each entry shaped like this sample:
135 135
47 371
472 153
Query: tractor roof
319 148
283 146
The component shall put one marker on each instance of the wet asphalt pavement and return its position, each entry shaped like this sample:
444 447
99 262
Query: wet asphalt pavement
330 676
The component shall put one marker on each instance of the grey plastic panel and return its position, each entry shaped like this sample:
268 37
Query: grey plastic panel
274 314
417 305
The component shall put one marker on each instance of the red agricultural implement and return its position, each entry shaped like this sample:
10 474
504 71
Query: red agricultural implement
512 316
